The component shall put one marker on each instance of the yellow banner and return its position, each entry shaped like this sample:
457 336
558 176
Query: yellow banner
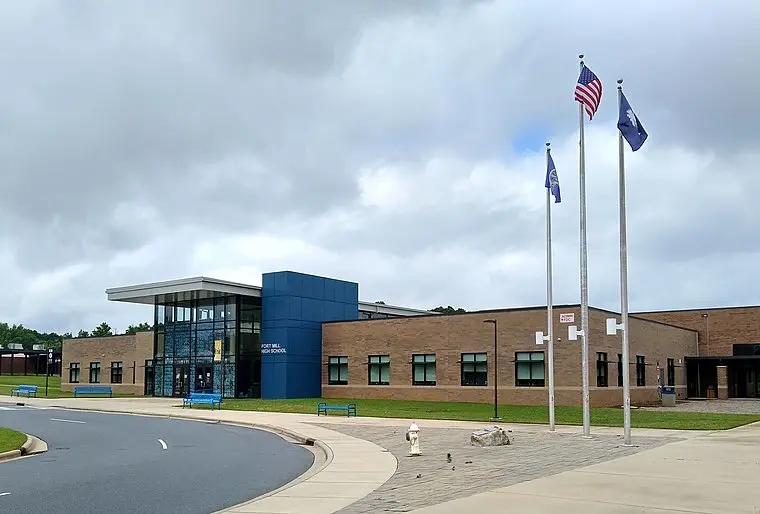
218 350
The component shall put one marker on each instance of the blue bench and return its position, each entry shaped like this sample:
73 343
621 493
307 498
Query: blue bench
27 390
202 398
349 409
78 390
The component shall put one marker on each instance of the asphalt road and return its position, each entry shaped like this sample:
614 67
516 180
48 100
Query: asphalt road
114 463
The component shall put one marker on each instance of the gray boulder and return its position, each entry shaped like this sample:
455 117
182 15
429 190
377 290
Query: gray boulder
490 436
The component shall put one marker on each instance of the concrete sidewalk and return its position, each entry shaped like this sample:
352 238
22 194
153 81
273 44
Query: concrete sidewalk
714 472
705 472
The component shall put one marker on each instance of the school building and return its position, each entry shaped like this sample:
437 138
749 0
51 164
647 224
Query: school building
304 336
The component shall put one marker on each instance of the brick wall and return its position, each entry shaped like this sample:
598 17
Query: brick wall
130 350
450 336
719 331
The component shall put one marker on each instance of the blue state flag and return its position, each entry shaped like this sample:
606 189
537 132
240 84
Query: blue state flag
552 181
630 126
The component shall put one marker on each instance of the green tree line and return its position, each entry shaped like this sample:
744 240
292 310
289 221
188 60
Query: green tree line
27 337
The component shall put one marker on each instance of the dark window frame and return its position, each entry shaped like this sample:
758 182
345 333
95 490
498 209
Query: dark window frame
602 371
117 372
74 373
530 382
424 362
620 369
671 365
470 374
94 372
340 363
641 374
379 362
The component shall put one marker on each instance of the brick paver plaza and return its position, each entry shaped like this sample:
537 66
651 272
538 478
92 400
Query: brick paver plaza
474 469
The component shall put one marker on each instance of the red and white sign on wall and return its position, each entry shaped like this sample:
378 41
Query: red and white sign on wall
567 317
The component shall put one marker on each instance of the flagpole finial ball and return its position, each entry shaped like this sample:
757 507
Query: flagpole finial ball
619 81
580 56
548 145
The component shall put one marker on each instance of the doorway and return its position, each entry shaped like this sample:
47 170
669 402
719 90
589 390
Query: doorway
204 382
149 378
180 379
742 380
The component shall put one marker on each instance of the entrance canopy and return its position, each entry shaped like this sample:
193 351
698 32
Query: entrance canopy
180 290
197 288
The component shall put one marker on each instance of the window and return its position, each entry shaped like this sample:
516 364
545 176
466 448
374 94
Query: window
620 370
641 379
423 369
474 369
94 372
671 372
601 369
379 370
338 370
529 369
74 373
116 372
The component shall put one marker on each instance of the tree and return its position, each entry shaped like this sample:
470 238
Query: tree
142 327
102 330
83 333
448 310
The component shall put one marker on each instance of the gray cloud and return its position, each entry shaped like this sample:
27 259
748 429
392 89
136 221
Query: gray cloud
143 129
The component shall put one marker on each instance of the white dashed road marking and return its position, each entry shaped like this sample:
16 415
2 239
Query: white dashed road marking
163 444
4 494
68 420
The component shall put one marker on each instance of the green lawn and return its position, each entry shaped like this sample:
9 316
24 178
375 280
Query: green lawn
8 382
508 413
10 439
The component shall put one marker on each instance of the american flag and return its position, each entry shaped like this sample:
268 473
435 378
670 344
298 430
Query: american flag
588 91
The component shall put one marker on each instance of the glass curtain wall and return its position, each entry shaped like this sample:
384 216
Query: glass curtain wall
199 347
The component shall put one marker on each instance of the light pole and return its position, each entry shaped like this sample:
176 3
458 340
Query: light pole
47 369
495 369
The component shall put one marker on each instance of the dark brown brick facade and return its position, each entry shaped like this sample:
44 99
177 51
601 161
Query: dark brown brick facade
130 350
449 336
719 329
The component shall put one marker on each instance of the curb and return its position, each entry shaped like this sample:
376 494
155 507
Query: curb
318 466
27 448
299 438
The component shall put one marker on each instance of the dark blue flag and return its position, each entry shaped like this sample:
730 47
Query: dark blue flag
630 126
552 181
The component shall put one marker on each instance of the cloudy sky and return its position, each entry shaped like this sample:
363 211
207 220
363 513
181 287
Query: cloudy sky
394 143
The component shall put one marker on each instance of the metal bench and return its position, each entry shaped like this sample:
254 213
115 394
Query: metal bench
27 390
202 398
79 390
323 408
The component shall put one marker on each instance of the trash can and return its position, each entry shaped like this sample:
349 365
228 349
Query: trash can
668 396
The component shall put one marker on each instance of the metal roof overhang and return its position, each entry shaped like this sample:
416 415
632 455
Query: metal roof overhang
183 289
394 310
186 289
725 358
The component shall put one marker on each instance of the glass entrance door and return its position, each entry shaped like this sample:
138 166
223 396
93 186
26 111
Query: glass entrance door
750 376
180 379
204 379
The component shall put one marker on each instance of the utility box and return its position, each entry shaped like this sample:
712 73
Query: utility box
668 396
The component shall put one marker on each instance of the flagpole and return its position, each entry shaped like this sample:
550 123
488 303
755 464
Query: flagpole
549 301
624 282
584 276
